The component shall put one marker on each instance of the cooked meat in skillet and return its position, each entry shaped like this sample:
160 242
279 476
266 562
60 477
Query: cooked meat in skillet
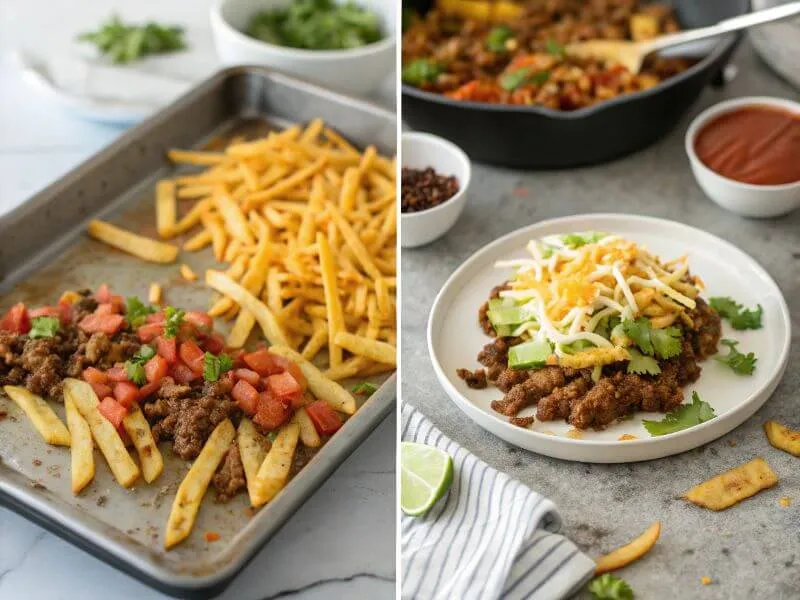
229 479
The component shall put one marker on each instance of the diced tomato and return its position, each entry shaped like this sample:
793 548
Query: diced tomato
93 375
183 374
105 309
272 413
155 318
103 294
227 377
126 393
283 384
147 333
214 343
45 311
156 368
326 420
201 321
16 320
237 356
65 311
168 349
147 390
192 355
117 374
294 401
108 324
101 389
262 362
289 365
246 396
249 376
113 411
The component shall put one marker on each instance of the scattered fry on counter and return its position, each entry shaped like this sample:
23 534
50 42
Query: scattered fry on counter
731 487
783 438
628 553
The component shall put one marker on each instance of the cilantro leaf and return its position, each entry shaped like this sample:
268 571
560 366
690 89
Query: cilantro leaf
272 436
365 389
739 317
511 81
214 366
136 311
667 341
639 332
641 364
174 318
576 240
743 364
144 354
421 71
498 36
610 587
44 327
554 48
135 372
683 417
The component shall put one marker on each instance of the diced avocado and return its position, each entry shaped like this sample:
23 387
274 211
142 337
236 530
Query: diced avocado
577 346
529 355
509 315
504 330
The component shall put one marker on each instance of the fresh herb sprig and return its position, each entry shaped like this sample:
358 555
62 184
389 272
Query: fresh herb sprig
365 388
124 43
497 37
665 343
214 366
44 327
134 367
683 417
174 319
515 79
610 587
742 364
136 311
421 71
740 318
641 364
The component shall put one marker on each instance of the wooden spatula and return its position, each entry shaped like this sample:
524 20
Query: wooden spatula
632 54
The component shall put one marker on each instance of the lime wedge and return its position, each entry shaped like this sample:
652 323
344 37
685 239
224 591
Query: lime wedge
426 474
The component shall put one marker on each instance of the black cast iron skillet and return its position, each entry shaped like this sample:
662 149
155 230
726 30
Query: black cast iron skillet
537 137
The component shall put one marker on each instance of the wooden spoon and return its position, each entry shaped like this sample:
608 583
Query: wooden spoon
631 54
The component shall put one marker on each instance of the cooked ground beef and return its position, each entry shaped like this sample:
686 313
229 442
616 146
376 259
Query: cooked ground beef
707 329
83 307
41 360
558 403
521 421
494 356
483 316
475 379
230 478
537 385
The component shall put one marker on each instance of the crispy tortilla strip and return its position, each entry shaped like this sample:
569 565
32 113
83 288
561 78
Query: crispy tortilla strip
625 555
138 430
253 450
166 207
103 432
308 433
783 438
269 324
82 447
136 245
323 388
234 219
194 485
274 471
41 415
592 357
362 346
723 491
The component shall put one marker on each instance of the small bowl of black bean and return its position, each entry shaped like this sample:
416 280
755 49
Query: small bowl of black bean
434 181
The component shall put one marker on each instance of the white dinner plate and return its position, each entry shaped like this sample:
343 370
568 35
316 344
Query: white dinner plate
454 339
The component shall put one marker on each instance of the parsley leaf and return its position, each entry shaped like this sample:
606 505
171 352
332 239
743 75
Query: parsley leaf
520 77
497 38
683 417
174 318
639 332
667 341
421 71
136 311
576 240
44 327
135 372
214 366
610 587
743 364
739 317
664 343
124 43
641 364
554 48
365 389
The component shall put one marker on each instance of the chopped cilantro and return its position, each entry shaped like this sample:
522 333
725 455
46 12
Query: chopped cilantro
421 71
271 436
498 36
739 317
576 240
136 311
639 332
554 48
642 365
610 587
743 364
665 343
365 389
135 372
683 417
520 77
548 252
214 366
44 327
539 78
144 354
174 318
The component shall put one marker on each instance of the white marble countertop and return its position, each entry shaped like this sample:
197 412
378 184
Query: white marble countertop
347 529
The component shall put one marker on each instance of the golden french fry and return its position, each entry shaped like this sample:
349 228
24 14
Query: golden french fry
333 304
315 343
194 485
362 346
119 461
308 433
219 239
234 219
731 487
187 273
198 241
241 329
166 207
81 447
252 449
625 555
138 429
192 218
274 471
783 438
154 293
287 184
136 245
189 157
46 422
323 388
354 243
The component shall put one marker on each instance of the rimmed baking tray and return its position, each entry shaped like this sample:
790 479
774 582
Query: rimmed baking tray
44 251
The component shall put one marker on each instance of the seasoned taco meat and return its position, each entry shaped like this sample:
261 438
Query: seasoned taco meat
475 379
229 479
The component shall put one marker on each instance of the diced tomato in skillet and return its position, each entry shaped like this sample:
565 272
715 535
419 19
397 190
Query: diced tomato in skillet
147 333
246 396
192 355
249 376
262 362
126 393
16 320
201 321
113 411
156 368
272 413
155 318
93 375
214 343
148 389
183 374
326 420
116 374
283 384
45 311
108 324
101 389
167 349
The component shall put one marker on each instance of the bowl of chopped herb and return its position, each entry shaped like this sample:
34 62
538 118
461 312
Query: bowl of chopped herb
348 45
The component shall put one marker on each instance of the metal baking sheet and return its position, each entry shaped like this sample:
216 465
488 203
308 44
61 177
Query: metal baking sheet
45 250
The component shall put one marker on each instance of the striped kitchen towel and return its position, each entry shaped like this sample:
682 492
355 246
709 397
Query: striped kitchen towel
492 537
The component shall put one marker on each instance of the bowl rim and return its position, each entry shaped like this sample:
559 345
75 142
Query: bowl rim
452 149
387 43
725 107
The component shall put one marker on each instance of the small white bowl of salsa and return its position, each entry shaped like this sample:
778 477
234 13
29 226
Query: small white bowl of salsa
745 155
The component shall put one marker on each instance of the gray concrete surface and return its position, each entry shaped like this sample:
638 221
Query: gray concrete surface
751 550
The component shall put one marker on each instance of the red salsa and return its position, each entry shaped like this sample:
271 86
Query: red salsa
755 144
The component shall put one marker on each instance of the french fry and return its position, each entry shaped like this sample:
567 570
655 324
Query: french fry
138 430
193 487
274 471
252 451
308 433
188 157
198 241
234 219
323 388
81 448
187 273
332 301
219 239
362 346
166 207
46 422
315 343
136 245
119 461
287 184
241 329
783 438
629 553
731 487
354 243
154 293
192 218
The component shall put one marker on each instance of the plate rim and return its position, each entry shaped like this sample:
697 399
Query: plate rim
567 444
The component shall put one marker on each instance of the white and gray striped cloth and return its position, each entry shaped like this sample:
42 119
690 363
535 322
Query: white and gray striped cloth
491 537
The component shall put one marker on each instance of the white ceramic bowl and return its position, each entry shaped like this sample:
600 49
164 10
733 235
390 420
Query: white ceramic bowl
422 150
358 71
746 199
